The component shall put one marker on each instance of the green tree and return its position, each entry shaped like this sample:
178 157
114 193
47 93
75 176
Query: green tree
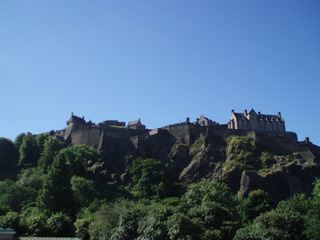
60 225
31 177
313 214
212 206
29 150
84 191
13 196
50 149
106 220
31 180
258 201
153 221
10 220
9 154
127 227
78 158
297 203
19 139
206 190
148 176
82 228
182 227
91 214
41 139
277 224
33 222
56 194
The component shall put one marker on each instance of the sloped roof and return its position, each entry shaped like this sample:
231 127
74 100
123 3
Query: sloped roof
134 122
6 229
7 233
240 115
203 117
261 117
74 118
210 121
269 117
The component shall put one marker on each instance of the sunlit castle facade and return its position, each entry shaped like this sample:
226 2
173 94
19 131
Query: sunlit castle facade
256 121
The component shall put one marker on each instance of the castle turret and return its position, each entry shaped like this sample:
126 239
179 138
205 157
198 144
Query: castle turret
136 125
75 119
73 124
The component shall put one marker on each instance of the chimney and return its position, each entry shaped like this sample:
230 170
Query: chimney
245 112
307 140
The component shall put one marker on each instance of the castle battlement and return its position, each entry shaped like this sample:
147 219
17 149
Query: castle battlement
250 124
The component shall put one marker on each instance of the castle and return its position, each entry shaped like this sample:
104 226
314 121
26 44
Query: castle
120 143
262 127
191 149
256 121
251 121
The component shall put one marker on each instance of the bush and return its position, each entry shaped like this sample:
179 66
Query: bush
276 224
60 225
148 176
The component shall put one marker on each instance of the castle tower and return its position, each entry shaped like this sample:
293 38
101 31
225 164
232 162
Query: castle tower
74 123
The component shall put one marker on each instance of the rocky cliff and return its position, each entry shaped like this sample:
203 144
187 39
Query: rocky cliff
246 160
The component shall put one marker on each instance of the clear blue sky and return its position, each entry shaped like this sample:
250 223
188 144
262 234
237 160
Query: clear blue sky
161 61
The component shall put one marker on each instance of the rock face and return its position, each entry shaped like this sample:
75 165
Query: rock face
246 160
282 182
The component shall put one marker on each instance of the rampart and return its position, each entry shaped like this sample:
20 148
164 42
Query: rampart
104 136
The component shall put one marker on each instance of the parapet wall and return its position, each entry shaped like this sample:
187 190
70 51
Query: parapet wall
91 135
179 131
189 132
279 142
103 135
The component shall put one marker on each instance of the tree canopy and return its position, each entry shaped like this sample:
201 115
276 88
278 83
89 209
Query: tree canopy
54 193
9 154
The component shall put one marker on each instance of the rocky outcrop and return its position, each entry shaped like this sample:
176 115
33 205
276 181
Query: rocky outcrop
282 182
274 162
245 168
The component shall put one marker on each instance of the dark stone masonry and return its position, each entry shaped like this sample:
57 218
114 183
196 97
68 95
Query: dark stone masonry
261 127
196 149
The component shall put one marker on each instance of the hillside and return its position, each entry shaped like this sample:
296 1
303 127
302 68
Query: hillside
243 159
192 180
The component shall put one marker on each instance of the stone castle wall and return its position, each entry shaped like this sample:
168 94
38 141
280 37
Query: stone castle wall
104 137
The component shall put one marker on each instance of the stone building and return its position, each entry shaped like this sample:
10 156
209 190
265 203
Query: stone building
256 121
113 123
76 120
136 125
204 121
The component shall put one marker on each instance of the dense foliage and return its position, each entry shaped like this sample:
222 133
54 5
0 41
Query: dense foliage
9 154
51 191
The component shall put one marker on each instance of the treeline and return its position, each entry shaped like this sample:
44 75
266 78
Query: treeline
47 189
